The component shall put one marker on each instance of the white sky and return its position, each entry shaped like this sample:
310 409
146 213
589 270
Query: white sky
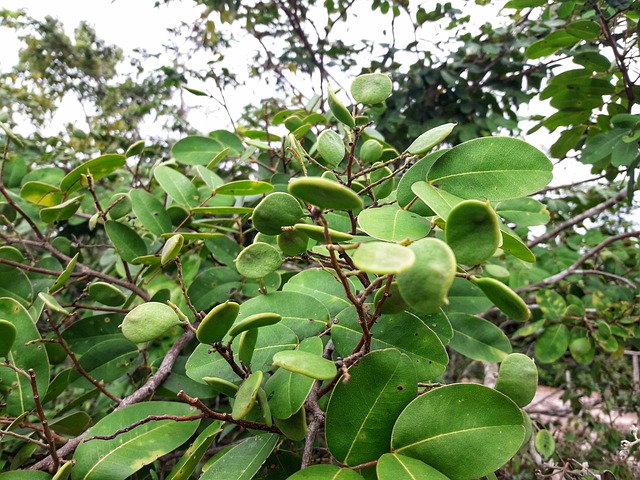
136 24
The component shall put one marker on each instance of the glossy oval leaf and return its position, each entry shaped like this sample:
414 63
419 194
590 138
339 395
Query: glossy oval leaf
383 258
19 396
287 391
106 294
150 211
361 412
127 242
196 150
392 466
98 168
194 454
417 173
305 363
491 168
524 212
247 395
217 322
438 200
475 432
40 193
177 186
244 460
63 211
478 339
241 188
128 452
393 224
405 332
430 139
254 321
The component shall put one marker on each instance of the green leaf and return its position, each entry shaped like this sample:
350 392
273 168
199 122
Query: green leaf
392 466
217 322
371 88
135 149
384 189
16 285
393 224
568 140
241 188
40 193
331 147
370 151
63 211
106 361
520 4
65 275
149 321
525 212
545 443
194 454
472 231
518 378
244 460
257 320
305 363
15 387
552 344
508 301
405 332
150 212
465 297
294 427
513 245
322 286
383 258
247 395
584 29
127 242
476 430
230 140
171 248
258 260
196 150
361 412
551 44
177 186
106 294
438 200
25 475
286 390
128 452
326 472
426 284
430 139
491 168
317 233
339 111
72 424
7 337
417 173
52 304
478 339
98 168
325 193
593 60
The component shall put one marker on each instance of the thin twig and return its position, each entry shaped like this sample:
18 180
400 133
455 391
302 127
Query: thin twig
43 419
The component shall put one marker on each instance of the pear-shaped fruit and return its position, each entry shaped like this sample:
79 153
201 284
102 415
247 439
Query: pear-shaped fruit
425 285
148 321
508 301
371 88
276 211
472 231
518 378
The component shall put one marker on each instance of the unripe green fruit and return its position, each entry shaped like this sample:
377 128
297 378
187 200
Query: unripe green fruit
508 301
426 284
293 242
276 211
472 231
518 378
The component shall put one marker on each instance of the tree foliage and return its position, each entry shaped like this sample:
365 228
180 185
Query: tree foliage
307 295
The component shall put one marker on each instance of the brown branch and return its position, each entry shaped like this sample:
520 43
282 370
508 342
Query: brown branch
317 420
572 270
22 437
43 419
620 196
225 417
150 418
143 392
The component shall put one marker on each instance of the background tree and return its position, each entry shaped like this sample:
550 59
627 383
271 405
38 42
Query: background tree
274 245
